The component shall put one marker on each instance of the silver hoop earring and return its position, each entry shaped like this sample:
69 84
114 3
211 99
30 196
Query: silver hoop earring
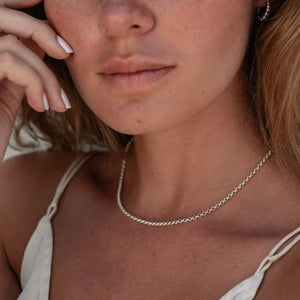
265 16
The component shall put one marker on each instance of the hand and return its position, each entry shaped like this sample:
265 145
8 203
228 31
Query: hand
22 70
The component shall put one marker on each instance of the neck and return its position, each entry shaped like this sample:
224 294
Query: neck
182 171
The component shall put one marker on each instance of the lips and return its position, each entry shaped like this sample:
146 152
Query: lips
135 75
130 66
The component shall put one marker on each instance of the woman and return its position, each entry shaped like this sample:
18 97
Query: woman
209 90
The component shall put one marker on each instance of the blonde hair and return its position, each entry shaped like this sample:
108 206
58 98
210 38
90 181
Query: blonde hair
272 80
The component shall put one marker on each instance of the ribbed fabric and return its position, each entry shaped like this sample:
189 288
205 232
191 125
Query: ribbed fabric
37 259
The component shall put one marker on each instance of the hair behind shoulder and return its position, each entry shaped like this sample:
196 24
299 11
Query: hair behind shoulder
273 83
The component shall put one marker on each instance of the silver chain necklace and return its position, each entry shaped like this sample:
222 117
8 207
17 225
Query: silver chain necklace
187 219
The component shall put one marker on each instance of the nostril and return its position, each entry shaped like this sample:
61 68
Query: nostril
119 19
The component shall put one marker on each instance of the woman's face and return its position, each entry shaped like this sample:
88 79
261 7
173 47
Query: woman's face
204 41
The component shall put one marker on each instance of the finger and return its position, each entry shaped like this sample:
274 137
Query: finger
51 85
19 3
26 27
34 47
9 89
17 71
10 95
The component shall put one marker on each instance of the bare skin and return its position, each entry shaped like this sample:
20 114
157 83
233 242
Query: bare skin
194 142
121 259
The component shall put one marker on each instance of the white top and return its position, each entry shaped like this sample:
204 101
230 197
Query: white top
36 264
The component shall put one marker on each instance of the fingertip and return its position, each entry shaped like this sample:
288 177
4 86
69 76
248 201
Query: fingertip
58 100
64 45
37 99
65 99
46 102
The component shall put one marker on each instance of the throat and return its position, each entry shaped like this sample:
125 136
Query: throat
177 203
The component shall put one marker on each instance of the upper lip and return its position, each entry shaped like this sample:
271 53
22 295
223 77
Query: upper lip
117 66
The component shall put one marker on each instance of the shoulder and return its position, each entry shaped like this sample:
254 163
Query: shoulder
28 184
32 176
282 279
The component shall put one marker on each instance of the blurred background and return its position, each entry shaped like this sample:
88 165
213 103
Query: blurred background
12 150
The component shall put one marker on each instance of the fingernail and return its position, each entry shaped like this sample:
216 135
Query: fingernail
64 45
65 99
46 102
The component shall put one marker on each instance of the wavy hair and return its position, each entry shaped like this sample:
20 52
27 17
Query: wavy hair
272 81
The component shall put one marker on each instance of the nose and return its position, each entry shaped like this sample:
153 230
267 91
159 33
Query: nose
122 18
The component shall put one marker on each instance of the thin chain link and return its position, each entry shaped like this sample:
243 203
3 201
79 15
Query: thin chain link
188 219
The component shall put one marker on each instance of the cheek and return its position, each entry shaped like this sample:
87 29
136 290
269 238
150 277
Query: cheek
215 26
206 38
67 17
216 38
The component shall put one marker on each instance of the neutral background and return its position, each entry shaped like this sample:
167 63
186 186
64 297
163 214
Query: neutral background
12 152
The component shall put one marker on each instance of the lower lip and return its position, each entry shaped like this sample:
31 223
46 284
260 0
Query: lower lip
135 82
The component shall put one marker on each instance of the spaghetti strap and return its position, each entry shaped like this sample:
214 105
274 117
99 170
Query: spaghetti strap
69 174
35 273
247 289
272 257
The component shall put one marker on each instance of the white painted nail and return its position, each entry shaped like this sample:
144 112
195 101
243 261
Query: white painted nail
64 45
65 99
46 102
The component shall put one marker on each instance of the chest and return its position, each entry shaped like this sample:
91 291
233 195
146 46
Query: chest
118 262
